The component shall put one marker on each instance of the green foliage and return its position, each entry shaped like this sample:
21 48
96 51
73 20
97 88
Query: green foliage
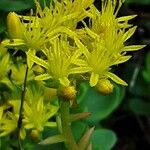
103 139
139 107
78 132
16 5
146 71
2 23
144 2
98 105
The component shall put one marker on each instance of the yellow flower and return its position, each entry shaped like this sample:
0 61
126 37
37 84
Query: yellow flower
107 48
4 62
8 124
32 32
27 35
100 60
14 26
114 31
18 73
63 13
37 115
60 61
53 30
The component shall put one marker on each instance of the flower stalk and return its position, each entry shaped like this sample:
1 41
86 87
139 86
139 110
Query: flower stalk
66 129
19 125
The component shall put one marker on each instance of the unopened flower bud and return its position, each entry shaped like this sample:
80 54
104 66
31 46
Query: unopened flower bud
14 26
67 93
104 86
35 135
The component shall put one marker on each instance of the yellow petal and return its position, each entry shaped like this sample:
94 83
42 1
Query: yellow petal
116 78
1 112
122 59
37 60
82 48
129 33
22 133
13 42
125 18
42 77
94 79
29 126
50 124
29 61
133 47
40 105
64 81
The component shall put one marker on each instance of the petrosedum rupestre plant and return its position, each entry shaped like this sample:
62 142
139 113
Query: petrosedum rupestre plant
58 54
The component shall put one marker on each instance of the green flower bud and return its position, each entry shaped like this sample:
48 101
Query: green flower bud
14 26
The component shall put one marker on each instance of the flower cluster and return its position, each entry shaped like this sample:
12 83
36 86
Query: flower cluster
90 51
60 50
36 116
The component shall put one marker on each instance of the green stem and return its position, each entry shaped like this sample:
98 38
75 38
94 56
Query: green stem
66 129
21 109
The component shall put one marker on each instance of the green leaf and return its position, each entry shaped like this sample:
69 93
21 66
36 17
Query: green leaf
144 2
47 2
52 140
103 139
6 143
15 5
78 129
146 75
85 140
79 116
2 23
146 71
133 76
139 106
47 133
98 105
